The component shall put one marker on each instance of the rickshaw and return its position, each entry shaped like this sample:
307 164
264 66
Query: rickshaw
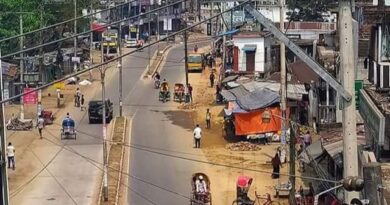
178 93
164 94
47 116
243 185
68 129
200 198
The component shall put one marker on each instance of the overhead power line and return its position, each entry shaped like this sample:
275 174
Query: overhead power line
60 23
161 152
89 31
125 54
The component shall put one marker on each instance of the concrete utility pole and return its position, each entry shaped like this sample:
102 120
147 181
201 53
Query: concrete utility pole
4 198
75 32
158 25
283 75
91 36
21 44
104 129
120 65
186 55
139 19
348 81
224 28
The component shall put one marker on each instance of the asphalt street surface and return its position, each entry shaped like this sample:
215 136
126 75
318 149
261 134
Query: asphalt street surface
163 129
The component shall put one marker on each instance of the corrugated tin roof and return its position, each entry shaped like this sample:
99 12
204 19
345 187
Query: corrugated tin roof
294 91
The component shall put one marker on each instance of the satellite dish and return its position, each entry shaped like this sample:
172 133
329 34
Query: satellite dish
356 202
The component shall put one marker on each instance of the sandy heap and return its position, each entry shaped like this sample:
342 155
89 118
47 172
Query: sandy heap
243 146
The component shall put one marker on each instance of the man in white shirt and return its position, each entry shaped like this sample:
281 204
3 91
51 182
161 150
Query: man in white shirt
11 156
197 136
201 187
40 125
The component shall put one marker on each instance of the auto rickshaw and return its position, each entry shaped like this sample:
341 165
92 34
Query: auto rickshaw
178 93
68 129
47 116
164 94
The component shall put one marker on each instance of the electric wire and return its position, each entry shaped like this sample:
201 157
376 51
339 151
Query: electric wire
94 162
89 31
64 22
115 58
153 150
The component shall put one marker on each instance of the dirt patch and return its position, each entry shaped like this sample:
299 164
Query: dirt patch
215 144
180 118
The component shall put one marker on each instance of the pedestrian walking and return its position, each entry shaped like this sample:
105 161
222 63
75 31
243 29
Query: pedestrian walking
276 164
197 136
196 48
78 97
40 125
11 156
190 91
75 100
208 119
218 93
82 103
307 139
212 78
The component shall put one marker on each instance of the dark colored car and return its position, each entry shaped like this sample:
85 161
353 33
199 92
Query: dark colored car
95 111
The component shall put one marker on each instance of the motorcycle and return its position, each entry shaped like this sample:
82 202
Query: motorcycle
16 124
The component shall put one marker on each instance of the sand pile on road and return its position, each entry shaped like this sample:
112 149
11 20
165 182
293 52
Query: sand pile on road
188 106
243 146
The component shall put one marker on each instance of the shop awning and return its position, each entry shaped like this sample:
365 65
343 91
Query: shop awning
249 48
98 27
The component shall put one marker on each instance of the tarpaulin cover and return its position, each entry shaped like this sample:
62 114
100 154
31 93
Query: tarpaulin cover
258 99
252 122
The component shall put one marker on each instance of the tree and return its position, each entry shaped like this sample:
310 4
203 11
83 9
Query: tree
307 10
51 13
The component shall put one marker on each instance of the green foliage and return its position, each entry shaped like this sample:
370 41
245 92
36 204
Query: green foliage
51 13
306 10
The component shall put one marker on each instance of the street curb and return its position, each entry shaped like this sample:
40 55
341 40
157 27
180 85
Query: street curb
102 181
117 177
121 163
123 199
145 73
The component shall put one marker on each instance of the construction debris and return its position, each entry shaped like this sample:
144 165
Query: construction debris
243 146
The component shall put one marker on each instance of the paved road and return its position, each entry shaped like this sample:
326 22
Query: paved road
163 128
67 177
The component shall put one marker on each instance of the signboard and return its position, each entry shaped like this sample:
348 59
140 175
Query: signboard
133 29
77 59
209 29
30 98
60 85
358 86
